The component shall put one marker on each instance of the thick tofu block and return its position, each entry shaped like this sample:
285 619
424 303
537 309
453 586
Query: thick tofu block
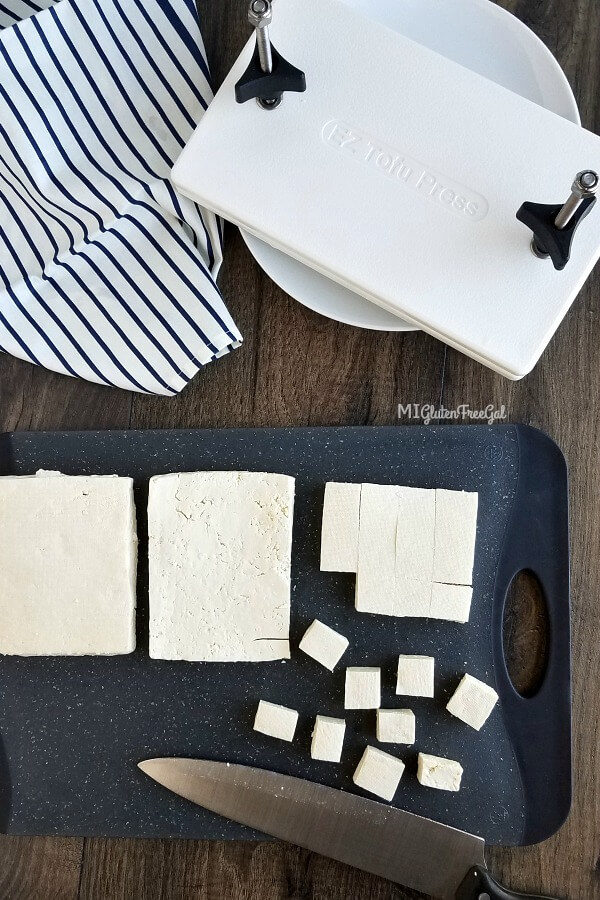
379 773
324 644
276 721
376 575
68 553
451 602
363 688
339 533
415 676
396 726
220 552
328 739
455 533
473 702
440 773
415 534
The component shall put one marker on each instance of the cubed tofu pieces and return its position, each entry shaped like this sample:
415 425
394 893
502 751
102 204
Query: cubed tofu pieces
451 602
473 702
339 533
455 533
416 552
68 554
219 556
415 676
328 739
396 726
363 688
276 721
324 644
379 773
437 772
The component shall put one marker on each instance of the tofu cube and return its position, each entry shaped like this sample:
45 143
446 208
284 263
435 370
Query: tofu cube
379 773
324 644
363 688
276 721
455 533
339 532
68 557
415 676
328 739
437 772
396 726
220 548
472 702
451 602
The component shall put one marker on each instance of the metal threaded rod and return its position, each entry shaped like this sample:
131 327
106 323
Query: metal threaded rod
260 10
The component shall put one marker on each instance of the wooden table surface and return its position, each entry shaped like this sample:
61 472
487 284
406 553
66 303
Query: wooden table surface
296 368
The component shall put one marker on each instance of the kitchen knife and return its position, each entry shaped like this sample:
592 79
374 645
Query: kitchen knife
397 845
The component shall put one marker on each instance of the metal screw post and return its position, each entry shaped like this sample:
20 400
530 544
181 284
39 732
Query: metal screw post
584 186
259 16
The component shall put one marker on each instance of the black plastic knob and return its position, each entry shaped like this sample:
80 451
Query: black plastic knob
549 240
269 87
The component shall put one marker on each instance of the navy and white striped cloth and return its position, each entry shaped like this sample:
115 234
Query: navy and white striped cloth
105 272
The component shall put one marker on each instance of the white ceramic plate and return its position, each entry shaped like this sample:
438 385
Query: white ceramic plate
475 33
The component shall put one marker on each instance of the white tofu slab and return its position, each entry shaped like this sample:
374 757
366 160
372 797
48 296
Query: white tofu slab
219 556
328 739
324 644
413 598
276 721
396 726
339 531
455 533
438 772
68 553
379 773
363 688
415 676
451 602
473 702
376 575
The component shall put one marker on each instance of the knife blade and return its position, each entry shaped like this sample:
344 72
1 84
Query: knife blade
419 853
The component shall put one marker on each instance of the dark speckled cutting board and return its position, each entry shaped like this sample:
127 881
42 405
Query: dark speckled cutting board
72 730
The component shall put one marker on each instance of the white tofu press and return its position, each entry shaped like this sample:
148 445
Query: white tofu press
403 176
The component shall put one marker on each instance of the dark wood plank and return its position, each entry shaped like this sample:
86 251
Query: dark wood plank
296 368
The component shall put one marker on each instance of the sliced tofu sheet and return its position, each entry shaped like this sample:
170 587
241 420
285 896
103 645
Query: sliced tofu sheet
415 548
219 566
68 555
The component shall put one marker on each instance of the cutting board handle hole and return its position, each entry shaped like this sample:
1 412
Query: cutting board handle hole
526 631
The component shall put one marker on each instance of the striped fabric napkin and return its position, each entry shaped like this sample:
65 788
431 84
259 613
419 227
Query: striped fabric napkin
105 272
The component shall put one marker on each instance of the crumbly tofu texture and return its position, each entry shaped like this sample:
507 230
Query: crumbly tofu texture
363 688
276 721
219 558
379 773
415 676
396 726
339 532
416 550
438 772
68 555
324 644
473 702
328 739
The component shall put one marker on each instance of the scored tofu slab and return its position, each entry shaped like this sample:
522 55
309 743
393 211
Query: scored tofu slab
68 554
219 564
376 575
455 534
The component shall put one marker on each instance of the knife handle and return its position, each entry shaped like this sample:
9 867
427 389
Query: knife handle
479 885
